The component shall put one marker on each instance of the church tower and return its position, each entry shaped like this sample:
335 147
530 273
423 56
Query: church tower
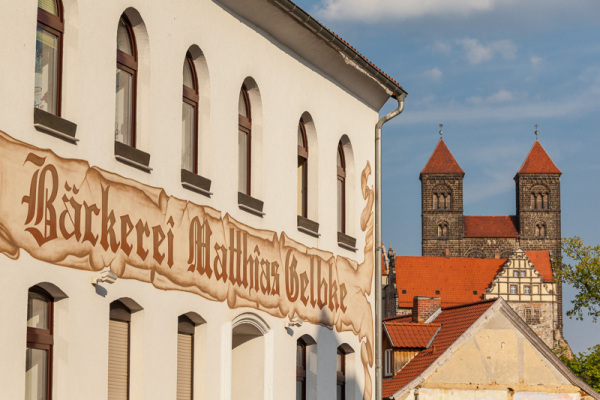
441 204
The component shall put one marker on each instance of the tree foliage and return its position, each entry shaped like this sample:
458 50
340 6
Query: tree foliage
583 273
585 365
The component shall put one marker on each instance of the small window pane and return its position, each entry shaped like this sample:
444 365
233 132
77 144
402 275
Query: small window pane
49 5
301 187
513 289
339 160
340 361
36 374
188 143
188 76
340 206
123 39
522 274
242 109
124 107
527 289
301 137
37 311
243 162
515 273
46 71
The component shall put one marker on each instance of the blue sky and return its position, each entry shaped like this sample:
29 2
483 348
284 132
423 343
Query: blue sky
488 70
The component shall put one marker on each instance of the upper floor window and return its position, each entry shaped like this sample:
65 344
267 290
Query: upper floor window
539 198
341 375
302 170
341 189
185 358
441 198
189 124
40 340
48 56
125 103
540 229
514 289
118 351
244 142
300 370
443 230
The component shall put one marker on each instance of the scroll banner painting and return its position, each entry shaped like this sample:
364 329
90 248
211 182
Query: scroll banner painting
65 212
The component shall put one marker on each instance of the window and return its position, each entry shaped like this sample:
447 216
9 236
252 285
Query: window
513 289
539 198
389 362
118 351
244 142
185 358
523 273
341 375
527 289
48 56
533 316
125 102
189 117
540 229
302 170
341 189
443 230
515 273
441 198
40 340
301 370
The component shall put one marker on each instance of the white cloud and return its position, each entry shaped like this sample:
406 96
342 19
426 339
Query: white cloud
374 10
477 52
441 47
500 96
535 61
433 74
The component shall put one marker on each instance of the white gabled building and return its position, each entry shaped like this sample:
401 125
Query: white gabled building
186 202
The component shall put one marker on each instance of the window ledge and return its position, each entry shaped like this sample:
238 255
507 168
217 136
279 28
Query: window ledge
308 226
195 183
132 157
346 242
250 204
53 125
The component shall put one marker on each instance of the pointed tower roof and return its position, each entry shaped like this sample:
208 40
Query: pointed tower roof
442 161
538 162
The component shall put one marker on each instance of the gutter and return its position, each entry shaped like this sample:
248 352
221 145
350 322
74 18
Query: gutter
379 244
338 44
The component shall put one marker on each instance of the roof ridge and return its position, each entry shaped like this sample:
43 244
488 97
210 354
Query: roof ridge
470 304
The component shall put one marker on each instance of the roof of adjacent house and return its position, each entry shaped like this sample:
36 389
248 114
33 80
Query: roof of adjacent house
454 321
457 280
497 226
408 334
442 161
538 162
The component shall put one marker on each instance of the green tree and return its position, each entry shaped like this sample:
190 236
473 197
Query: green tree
585 366
583 274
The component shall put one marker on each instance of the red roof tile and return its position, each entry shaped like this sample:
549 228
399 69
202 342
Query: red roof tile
538 162
454 321
408 334
542 262
456 278
442 161
499 226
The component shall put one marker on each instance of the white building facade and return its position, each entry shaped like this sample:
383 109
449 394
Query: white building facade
199 225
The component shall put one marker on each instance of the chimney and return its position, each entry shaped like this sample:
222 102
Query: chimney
425 307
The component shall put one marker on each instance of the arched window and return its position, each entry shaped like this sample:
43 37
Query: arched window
539 198
40 340
189 118
300 370
540 229
341 189
125 103
244 142
341 374
441 197
302 170
48 56
443 230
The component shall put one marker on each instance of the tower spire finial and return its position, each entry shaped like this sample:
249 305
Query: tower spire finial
536 131
441 131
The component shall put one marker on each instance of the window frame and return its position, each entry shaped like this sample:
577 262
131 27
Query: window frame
43 339
388 357
185 326
129 64
341 177
303 161
245 125
301 369
55 25
191 96
121 313
341 375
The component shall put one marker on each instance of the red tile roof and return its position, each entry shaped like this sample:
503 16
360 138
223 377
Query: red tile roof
538 162
456 278
408 334
454 321
542 262
499 226
442 161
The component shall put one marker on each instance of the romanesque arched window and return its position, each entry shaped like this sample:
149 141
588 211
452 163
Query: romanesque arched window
443 229
442 196
540 229
540 198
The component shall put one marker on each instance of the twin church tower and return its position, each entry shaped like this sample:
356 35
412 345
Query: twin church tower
448 232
